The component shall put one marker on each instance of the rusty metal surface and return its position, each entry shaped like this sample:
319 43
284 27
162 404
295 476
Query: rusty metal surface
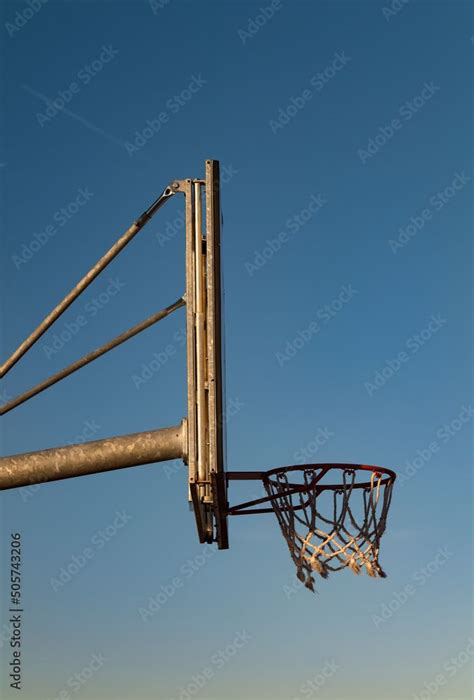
86 359
93 457
248 507
87 279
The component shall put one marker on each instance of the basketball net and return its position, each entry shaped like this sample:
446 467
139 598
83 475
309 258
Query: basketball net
320 543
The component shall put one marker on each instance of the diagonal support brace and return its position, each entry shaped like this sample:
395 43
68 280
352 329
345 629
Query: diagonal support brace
118 246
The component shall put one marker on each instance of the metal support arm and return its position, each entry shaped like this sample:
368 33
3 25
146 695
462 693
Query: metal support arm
93 457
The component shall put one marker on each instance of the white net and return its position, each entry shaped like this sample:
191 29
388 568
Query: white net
345 535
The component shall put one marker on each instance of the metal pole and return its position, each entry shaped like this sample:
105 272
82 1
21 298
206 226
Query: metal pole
191 331
93 457
87 279
200 316
86 359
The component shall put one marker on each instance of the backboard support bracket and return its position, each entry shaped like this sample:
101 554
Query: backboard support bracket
204 354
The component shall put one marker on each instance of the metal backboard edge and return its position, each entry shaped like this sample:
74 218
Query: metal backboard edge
214 351
191 457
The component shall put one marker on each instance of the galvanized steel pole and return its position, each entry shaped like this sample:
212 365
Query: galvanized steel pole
94 457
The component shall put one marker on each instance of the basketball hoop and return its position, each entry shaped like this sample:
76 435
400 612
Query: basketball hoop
332 516
327 526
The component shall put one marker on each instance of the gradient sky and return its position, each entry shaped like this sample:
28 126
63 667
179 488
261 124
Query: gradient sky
364 111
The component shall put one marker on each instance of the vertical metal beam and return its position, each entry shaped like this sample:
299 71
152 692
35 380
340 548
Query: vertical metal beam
190 332
197 319
201 348
215 350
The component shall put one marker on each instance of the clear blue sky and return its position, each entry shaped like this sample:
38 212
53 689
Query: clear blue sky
345 130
